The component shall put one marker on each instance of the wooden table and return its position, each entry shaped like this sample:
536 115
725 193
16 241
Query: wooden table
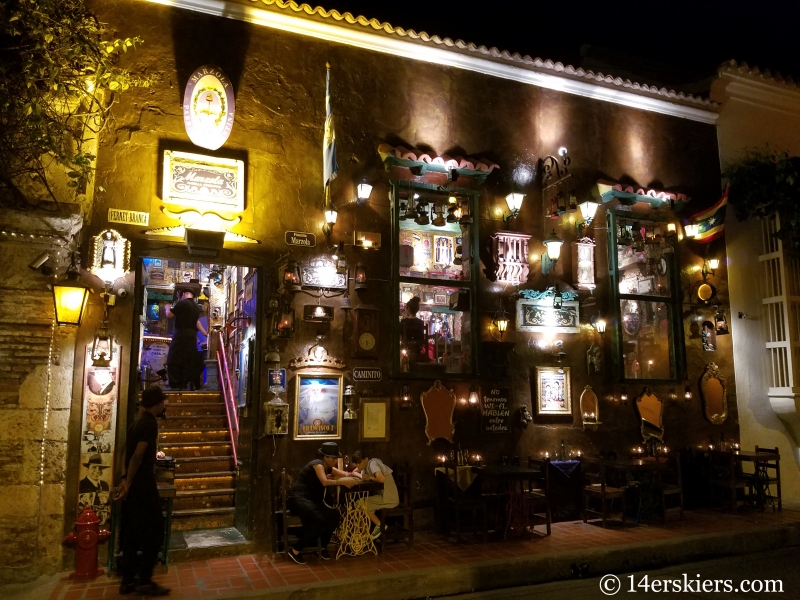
761 494
355 529
647 490
516 519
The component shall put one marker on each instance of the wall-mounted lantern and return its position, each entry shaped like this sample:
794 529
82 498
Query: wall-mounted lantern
709 267
466 216
691 230
70 297
363 191
439 220
500 322
599 323
349 398
687 393
291 276
330 218
285 323
405 397
588 210
552 244
474 396
623 397
514 203
102 346
360 277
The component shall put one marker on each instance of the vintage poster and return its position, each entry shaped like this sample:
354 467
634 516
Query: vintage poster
553 391
98 430
318 406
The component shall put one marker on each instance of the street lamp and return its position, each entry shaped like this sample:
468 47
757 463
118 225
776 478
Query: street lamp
70 297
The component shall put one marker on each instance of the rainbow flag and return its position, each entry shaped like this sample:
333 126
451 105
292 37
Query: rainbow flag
711 222
329 164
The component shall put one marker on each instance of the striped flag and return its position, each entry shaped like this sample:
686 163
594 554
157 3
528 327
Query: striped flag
711 222
329 164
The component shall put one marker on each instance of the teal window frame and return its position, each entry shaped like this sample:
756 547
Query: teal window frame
677 351
471 285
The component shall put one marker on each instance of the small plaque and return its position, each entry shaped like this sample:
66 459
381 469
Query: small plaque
129 217
367 374
300 238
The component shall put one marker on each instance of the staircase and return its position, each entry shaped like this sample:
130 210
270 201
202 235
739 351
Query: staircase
196 435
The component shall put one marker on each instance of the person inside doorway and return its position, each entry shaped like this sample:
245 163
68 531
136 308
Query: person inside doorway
184 360
412 332
373 469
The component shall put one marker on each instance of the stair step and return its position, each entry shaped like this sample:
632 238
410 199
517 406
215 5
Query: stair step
207 474
208 434
189 444
203 501
190 397
196 450
194 493
202 521
194 422
199 465
202 482
195 409
196 512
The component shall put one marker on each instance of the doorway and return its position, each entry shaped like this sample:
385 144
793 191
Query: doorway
197 339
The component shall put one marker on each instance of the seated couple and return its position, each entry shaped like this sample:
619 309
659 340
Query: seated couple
306 496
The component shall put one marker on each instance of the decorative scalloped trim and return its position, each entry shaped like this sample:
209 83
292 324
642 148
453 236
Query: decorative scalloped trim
538 63
455 162
766 76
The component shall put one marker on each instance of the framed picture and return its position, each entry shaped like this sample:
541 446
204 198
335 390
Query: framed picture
427 297
540 316
440 299
554 396
374 420
645 286
318 406
443 249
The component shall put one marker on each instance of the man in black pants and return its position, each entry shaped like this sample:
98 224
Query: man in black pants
142 521
305 500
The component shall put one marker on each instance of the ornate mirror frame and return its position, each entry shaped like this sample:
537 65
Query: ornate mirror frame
713 372
438 404
648 428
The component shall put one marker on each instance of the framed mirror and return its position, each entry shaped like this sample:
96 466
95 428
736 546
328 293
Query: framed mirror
590 407
651 409
715 395
438 404
630 316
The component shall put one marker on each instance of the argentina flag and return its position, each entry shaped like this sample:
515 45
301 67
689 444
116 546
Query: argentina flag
329 164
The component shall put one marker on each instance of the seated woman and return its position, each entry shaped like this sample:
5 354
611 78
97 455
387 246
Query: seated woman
306 500
373 469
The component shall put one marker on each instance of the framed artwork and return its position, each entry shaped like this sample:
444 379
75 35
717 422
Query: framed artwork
427 297
553 393
540 316
645 286
443 249
440 299
318 406
374 420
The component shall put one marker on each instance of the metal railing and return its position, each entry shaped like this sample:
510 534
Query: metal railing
230 404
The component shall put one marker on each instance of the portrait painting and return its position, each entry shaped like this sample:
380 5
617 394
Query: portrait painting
318 406
94 486
553 391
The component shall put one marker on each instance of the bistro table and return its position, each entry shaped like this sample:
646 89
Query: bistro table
354 530
760 476
511 475
651 466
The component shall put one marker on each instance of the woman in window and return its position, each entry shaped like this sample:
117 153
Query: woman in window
373 469
412 331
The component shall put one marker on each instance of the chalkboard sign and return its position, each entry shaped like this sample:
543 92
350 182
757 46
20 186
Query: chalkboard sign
495 414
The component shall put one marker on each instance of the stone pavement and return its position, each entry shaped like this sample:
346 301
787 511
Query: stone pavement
436 566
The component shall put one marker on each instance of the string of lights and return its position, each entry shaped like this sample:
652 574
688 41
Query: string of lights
47 400
20 236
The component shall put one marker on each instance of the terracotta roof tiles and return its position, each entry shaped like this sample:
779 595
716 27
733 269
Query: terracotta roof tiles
766 76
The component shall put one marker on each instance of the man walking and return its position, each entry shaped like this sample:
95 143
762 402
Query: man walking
142 521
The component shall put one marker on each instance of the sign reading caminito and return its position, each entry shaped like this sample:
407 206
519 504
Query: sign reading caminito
495 412
367 374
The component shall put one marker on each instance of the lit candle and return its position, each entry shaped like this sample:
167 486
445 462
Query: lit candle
579 453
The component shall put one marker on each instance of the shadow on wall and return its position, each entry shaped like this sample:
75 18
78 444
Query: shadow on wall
199 40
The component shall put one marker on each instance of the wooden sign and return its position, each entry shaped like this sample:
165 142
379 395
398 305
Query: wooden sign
299 238
495 413
366 374
129 217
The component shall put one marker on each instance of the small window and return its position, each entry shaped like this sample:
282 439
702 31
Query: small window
435 275
649 337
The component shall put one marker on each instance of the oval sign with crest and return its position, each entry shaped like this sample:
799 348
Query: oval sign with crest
208 107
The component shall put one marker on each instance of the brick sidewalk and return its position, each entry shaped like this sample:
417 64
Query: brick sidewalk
274 573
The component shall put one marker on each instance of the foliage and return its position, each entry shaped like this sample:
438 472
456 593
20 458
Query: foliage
58 81
764 183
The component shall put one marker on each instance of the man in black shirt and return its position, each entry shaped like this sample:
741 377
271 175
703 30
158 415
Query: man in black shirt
142 521
184 360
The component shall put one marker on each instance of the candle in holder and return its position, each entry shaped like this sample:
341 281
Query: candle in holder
579 453
545 454
477 460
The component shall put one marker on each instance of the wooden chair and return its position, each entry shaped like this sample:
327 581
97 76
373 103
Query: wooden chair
595 488
537 495
773 473
457 502
670 484
403 514
291 523
725 479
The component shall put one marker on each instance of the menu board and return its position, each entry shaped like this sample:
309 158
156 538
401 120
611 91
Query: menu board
495 413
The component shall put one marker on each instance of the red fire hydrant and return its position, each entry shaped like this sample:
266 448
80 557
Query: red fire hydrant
85 538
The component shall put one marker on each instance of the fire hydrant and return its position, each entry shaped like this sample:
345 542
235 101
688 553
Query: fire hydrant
85 538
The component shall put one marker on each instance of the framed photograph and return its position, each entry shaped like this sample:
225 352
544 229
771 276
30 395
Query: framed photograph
277 380
553 393
427 297
443 249
374 420
318 406
646 285
440 299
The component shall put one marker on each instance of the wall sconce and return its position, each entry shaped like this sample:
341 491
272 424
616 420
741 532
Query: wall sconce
363 191
291 276
599 323
466 216
710 265
687 393
70 297
672 394
474 397
514 202
405 397
285 323
349 398
102 346
588 210
672 229
360 277
691 230
623 397
330 218
552 244
500 322
273 356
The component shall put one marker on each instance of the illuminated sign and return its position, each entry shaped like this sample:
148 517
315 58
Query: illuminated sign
299 238
129 217
203 181
208 107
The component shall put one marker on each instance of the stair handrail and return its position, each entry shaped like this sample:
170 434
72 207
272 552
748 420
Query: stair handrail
230 408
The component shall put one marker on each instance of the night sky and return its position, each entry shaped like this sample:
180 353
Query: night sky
689 38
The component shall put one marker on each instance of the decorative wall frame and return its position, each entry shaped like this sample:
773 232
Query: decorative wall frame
438 404
374 425
583 263
553 392
714 391
321 273
318 406
277 417
540 315
651 411
510 255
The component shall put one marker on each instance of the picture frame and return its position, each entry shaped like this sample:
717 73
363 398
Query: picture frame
440 299
427 297
553 391
318 406
540 316
646 285
374 420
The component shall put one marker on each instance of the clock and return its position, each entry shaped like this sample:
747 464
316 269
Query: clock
365 332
